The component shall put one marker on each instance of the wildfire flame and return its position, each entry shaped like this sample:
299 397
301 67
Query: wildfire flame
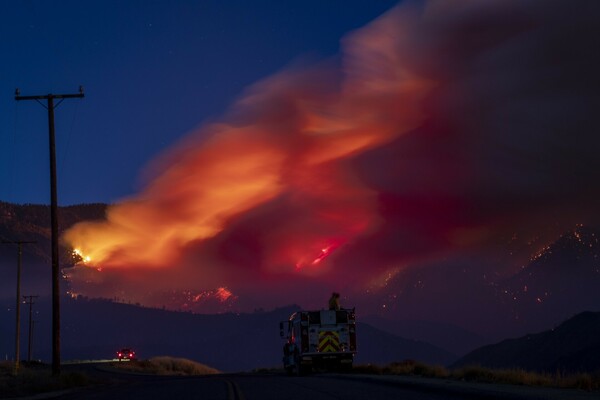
324 253
80 258
311 260
290 137
222 294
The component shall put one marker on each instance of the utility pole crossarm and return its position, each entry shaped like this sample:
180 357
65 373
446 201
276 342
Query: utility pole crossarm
50 96
54 96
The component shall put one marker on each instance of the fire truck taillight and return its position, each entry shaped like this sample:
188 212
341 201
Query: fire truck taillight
352 334
304 334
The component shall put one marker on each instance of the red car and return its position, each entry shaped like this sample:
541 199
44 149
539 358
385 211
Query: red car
126 354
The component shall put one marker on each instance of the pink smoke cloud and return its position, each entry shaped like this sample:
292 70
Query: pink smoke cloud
449 126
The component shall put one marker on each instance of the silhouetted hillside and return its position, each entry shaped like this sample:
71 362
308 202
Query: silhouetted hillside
31 222
379 347
451 338
561 280
95 329
572 346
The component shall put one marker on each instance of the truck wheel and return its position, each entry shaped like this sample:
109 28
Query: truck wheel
346 368
298 368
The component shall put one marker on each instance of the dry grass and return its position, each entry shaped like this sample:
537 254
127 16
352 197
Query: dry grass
166 366
515 376
408 367
268 370
36 378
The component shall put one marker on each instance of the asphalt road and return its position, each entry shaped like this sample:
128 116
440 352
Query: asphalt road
246 386
250 387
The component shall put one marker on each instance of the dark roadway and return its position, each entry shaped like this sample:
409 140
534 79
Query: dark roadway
247 386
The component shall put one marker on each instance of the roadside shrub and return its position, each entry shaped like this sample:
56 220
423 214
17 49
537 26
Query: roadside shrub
411 367
476 373
267 370
368 369
473 373
73 379
432 371
36 379
166 366
581 381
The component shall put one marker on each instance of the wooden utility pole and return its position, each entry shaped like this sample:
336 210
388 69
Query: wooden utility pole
20 243
30 300
53 218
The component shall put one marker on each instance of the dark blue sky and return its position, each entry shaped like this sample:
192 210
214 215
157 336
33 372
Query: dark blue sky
152 72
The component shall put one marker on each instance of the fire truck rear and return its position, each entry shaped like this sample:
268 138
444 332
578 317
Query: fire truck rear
319 339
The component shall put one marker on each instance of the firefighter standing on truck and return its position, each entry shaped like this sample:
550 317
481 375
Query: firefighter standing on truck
334 301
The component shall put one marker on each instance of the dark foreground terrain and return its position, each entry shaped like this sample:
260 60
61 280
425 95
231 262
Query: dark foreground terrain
260 386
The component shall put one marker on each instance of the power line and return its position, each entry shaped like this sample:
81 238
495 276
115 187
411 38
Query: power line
20 243
30 300
11 168
63 161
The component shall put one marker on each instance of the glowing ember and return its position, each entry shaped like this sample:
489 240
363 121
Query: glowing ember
221 294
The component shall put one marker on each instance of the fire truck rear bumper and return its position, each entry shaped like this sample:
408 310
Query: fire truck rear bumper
320 358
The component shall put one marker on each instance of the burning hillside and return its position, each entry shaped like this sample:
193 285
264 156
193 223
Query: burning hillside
446 126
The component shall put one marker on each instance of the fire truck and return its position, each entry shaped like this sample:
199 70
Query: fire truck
324 339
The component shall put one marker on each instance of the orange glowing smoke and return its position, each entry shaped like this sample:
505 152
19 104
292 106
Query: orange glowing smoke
290 136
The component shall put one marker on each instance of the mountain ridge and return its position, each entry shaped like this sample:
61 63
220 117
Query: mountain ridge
572 346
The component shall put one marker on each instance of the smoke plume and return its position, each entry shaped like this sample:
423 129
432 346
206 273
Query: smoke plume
448 126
